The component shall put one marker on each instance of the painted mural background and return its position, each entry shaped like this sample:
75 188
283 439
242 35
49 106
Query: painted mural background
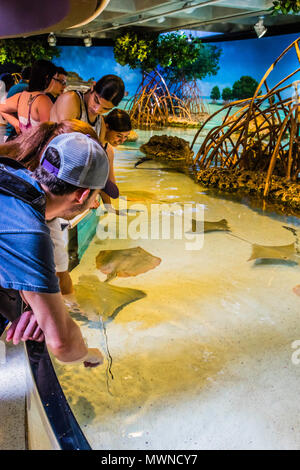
245 57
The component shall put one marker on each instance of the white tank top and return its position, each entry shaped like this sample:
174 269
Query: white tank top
84 115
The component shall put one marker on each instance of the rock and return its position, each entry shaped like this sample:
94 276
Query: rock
133 136
252 183
163 147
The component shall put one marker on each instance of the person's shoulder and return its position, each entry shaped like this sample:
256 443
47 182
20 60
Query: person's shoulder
68 96
68 100
42 98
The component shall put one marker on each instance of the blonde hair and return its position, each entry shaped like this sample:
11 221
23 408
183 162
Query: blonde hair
27 148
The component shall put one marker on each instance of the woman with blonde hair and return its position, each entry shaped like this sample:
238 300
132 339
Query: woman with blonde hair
28 147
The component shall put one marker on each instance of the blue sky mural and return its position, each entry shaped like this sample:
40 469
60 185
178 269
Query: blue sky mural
247 57
95 62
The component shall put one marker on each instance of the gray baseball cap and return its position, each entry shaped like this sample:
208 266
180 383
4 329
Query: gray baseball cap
83 162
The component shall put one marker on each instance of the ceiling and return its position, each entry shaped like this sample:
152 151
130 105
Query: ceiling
232 18
71 20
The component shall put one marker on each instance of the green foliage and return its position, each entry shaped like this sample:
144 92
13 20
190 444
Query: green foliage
285 7
177 55
136 51
24 52
244 88
177 51
215 93
227 94
205 64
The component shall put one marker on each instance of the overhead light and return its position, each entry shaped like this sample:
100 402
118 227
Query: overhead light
161 19
51 40
188 6
260 28
88 41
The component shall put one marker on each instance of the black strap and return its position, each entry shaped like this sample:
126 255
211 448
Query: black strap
13 185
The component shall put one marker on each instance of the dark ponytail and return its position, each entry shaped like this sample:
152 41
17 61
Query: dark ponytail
111 88
118 120
42 72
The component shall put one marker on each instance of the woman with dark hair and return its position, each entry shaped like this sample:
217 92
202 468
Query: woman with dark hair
31 106
117 129
89 107
28 147
6 82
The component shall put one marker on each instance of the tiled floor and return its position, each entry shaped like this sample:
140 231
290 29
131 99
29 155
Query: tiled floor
12 397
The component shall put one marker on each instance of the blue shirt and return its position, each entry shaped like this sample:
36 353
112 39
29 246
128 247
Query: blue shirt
26 249
17 88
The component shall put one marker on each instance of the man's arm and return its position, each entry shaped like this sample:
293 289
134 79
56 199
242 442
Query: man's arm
11 119
67 106
11 104
63 336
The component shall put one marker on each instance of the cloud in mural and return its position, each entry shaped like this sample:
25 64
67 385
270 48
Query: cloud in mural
96 62
127 74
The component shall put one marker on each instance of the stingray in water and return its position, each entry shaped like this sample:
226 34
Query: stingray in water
289 253
296 234
125 263
96 298
281 252
142 160
145 196
176 167
97 304
199 226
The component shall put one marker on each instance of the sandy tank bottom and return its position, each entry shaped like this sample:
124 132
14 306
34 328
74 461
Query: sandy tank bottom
204 359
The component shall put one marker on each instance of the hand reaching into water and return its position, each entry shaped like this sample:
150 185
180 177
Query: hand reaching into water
23 328
94 358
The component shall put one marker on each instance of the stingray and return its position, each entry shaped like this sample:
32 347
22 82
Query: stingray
281 252
175 167
144 196
99 299
101 303
139 196
125 263
218 226
142 160
296 234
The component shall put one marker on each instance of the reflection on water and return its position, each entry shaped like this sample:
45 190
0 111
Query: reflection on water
198 348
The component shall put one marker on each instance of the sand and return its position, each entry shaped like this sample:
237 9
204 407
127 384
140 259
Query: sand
204 361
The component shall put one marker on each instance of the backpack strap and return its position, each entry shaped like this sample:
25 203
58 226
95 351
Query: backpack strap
13 185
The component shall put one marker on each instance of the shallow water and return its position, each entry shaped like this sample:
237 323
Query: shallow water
203 360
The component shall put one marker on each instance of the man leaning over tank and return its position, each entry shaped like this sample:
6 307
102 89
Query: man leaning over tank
73 169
